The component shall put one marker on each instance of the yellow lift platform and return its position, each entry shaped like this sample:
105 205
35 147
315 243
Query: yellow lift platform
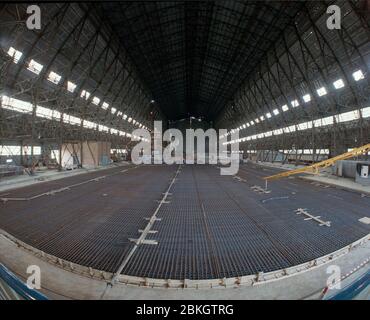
314 169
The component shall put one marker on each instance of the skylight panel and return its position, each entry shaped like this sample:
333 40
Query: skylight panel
89 125
327 121
71 87
96 101
365 112
322 91
358 75
307 98
54 77
47 113
85 94
348 116
35 67
16 105
10 151
294 103
285 108
338 84
73 120
15 54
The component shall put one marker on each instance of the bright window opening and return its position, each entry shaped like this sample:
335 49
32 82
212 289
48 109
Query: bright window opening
89 125
338 84
118 151
16 105
35 67
51 114
54 77
96 101
15 54
85 94
10 150
365 112
113 110
71 87
268 115
322 91
103 128
348 116
72 120
28 150
285 108
294 103
48 113
105 105
358 75
278 132
275 112
307 98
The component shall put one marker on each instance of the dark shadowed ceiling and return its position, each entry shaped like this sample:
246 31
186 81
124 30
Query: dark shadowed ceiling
193 56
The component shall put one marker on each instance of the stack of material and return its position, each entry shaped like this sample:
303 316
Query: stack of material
94 154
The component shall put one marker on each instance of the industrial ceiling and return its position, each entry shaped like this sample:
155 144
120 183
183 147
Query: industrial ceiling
252 66
194 55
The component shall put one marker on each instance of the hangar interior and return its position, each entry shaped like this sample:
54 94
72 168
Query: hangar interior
291 95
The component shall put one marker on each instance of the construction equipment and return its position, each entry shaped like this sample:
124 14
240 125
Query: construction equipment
314 169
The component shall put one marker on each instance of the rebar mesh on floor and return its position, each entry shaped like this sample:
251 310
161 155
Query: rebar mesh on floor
213 226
